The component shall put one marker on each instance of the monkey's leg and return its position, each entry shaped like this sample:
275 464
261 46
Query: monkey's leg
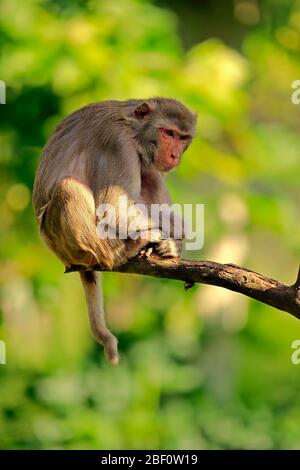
130 227
93 292
69 226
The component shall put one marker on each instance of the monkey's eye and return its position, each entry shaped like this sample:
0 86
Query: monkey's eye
169 132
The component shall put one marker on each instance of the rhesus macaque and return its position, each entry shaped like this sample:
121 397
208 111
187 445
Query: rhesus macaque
97 154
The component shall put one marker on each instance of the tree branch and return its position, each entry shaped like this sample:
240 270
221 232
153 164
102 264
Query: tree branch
229 276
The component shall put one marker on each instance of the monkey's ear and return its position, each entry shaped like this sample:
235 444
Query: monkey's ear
143 110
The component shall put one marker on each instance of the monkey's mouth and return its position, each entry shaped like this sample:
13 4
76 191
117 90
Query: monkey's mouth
171 161
168 163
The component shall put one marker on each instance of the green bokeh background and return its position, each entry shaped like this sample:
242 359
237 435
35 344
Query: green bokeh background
206 369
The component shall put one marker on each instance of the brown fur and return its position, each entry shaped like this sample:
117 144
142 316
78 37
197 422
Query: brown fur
96 154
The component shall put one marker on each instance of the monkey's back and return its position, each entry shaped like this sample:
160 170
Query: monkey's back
71 149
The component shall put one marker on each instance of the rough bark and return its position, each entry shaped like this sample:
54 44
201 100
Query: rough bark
232 277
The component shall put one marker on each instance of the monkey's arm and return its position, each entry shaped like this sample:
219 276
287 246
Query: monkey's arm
235 278
154 191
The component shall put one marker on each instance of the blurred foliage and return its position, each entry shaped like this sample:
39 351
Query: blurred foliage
203 369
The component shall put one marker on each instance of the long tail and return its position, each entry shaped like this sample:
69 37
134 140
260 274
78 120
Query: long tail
93 292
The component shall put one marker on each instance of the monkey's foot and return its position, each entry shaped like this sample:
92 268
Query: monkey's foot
168 248
110 344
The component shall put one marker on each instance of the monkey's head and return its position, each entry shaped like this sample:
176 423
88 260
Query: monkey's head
163 130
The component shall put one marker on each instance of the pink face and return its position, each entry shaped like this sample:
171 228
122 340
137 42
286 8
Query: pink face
172 145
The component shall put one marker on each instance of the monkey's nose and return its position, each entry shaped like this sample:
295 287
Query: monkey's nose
174 160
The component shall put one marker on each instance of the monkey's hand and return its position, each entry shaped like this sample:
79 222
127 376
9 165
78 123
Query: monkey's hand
169 248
